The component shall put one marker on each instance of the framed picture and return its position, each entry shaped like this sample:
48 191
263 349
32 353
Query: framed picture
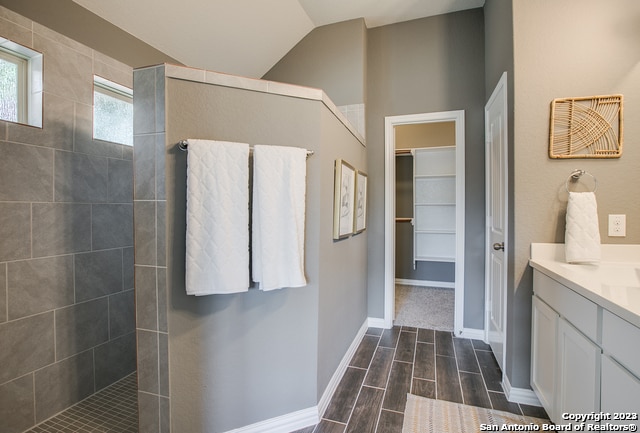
343 199
360 212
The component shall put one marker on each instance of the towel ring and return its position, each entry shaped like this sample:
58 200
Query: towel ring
576 175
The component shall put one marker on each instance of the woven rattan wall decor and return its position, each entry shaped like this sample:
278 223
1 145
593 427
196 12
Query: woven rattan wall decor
587 127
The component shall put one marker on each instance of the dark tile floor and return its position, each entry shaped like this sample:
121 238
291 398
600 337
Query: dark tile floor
390 363
113 409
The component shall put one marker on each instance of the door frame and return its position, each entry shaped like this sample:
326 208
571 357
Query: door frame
390 209
499 91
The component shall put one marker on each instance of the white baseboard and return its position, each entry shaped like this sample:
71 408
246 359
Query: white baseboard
307 417
374 322
426 283
342 367
519 395
283 424
474 334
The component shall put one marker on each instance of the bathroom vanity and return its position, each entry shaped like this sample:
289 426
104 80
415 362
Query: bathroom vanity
585 354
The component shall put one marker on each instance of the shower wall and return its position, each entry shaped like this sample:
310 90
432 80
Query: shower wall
223 362
66 240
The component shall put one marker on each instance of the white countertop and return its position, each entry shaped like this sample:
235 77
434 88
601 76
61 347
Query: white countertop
614 283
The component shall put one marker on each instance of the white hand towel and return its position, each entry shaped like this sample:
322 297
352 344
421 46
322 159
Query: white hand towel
217 244
582 234
279 193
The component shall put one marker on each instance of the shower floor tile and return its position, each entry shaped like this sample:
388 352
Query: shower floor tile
114 409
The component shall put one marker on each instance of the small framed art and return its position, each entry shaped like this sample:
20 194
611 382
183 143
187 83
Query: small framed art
360 212
343 199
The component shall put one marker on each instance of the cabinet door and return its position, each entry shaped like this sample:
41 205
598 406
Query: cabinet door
578 372
543 354
620 391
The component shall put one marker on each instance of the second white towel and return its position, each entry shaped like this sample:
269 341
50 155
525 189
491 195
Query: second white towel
217 244
278 222
582 234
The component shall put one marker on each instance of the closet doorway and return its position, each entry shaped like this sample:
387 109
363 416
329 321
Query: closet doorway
424 220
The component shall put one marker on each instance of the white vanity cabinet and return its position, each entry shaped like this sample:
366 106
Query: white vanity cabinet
583 357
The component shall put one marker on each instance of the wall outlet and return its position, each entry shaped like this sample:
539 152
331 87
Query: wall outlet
617 225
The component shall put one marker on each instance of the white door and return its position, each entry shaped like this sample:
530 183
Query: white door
496 216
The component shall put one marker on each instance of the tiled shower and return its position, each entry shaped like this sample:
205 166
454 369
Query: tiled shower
67 314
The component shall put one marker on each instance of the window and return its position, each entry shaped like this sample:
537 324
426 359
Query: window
112 112
20 84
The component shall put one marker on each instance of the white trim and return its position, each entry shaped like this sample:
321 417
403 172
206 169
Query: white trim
390 206
519 395
375 322
426 283
311 416
283 424
474 334
342 367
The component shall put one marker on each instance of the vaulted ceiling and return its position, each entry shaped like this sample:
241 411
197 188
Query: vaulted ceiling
247 37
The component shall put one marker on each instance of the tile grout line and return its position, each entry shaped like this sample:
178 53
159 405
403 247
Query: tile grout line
386 386
475 355
455 353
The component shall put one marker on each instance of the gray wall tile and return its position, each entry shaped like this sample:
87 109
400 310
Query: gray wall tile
81 326
161 238
144 110
31 343
26 173
162 299
57 130
120 181
144 166
112 226
62 384
15 32
165 415
127 153
148 409
98 274
161 193
3 292
67 70
61 228
127 268
145 232
80 178
160 99
122 314
163 364
39 285
146 298
115 360
16 405
15 231
148 361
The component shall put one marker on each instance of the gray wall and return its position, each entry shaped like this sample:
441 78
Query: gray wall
72 20
428 65
66 255
331 58
581 63
234 360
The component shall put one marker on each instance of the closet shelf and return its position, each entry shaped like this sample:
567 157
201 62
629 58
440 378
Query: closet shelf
433 176
435 204
438 231
435 259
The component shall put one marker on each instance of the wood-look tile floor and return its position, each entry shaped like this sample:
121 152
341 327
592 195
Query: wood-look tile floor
390 363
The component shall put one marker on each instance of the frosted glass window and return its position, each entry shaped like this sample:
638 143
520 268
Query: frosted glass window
9 95
112 112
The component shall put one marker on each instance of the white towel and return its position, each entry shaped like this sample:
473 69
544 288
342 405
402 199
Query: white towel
279 190
582 234
217 244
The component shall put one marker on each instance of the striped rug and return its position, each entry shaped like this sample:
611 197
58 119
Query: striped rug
426 415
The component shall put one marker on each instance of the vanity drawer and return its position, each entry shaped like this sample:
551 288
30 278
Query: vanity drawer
622 340
575 308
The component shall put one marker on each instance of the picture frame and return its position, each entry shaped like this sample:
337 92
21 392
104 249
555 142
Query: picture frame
343 199
360 203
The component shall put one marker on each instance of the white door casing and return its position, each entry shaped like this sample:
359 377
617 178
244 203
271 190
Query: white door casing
390 210
496 141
